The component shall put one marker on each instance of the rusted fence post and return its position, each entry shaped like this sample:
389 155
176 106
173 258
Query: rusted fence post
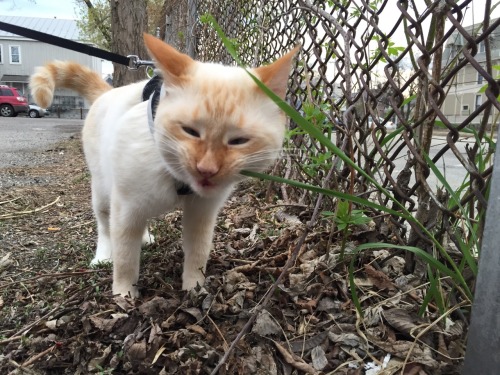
483 346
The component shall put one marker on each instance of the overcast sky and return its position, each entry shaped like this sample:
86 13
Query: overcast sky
38 8
66 9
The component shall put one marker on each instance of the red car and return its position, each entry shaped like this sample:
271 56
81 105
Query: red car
11 102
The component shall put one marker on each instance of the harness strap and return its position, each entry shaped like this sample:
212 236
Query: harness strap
152 92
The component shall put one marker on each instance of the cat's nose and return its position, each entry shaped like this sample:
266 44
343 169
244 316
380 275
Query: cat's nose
207 170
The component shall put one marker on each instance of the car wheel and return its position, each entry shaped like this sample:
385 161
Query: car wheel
33 113
6 110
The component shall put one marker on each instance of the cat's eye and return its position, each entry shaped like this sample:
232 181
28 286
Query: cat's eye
191 131
238 141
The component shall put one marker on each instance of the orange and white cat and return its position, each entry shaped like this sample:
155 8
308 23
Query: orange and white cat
212 121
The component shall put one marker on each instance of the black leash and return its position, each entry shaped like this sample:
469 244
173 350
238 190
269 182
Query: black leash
131 61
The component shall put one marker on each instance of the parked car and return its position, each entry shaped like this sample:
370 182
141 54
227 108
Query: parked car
36 111
11 102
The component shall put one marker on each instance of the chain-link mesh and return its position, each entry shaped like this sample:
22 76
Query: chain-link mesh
355 82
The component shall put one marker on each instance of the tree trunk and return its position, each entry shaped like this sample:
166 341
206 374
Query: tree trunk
129 21
176 24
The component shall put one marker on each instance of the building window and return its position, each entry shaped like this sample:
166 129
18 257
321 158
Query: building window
479 78
15 54
479 101
1 54
465 107
482 47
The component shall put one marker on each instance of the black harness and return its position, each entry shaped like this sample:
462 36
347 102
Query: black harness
151 93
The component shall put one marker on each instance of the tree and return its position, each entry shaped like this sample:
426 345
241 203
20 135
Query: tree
129 21
95 22
116 26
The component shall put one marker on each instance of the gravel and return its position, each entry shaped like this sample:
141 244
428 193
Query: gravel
27 143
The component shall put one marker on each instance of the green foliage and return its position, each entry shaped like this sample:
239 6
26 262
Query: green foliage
95 23
482 90
345 216
312 123
391 49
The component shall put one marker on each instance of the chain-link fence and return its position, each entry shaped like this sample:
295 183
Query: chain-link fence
390 82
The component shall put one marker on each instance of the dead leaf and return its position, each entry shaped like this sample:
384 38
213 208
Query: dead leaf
197 329
329 305
453 329
318 357
349 339
307 305
158 354
265 325
96 363
5 262
236 302
126 304
105 325
260 361
158 306
236 281
51 324
137 350
301 345
194 312
403 321
379 279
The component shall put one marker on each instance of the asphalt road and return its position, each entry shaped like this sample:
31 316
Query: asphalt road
21 136
449 166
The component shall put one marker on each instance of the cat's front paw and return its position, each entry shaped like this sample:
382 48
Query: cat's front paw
98 261
192 280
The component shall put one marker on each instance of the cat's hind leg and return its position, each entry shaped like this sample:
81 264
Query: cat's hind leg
100 204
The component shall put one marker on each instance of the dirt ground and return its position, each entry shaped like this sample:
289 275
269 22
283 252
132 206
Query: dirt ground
57 315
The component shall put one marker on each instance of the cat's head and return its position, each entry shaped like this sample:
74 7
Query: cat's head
214 121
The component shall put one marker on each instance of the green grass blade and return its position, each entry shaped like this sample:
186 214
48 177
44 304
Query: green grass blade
316 189
454 273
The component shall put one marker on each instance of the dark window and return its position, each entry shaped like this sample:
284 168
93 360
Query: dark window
6 92
479 101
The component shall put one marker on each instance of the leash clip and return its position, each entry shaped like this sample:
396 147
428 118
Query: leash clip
135 62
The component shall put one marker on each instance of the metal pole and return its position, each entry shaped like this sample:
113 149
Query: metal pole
483 345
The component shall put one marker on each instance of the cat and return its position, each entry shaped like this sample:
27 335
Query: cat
211 122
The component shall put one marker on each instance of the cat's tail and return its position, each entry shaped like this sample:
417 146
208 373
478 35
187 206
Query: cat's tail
69 75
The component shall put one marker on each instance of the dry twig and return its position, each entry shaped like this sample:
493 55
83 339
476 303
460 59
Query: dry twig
28 212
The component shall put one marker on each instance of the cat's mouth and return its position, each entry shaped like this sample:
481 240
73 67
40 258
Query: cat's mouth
206 184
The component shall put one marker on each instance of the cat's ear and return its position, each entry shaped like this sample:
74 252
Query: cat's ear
174 65
275 75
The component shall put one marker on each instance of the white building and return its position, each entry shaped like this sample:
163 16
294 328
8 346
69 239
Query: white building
19 56
464 95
